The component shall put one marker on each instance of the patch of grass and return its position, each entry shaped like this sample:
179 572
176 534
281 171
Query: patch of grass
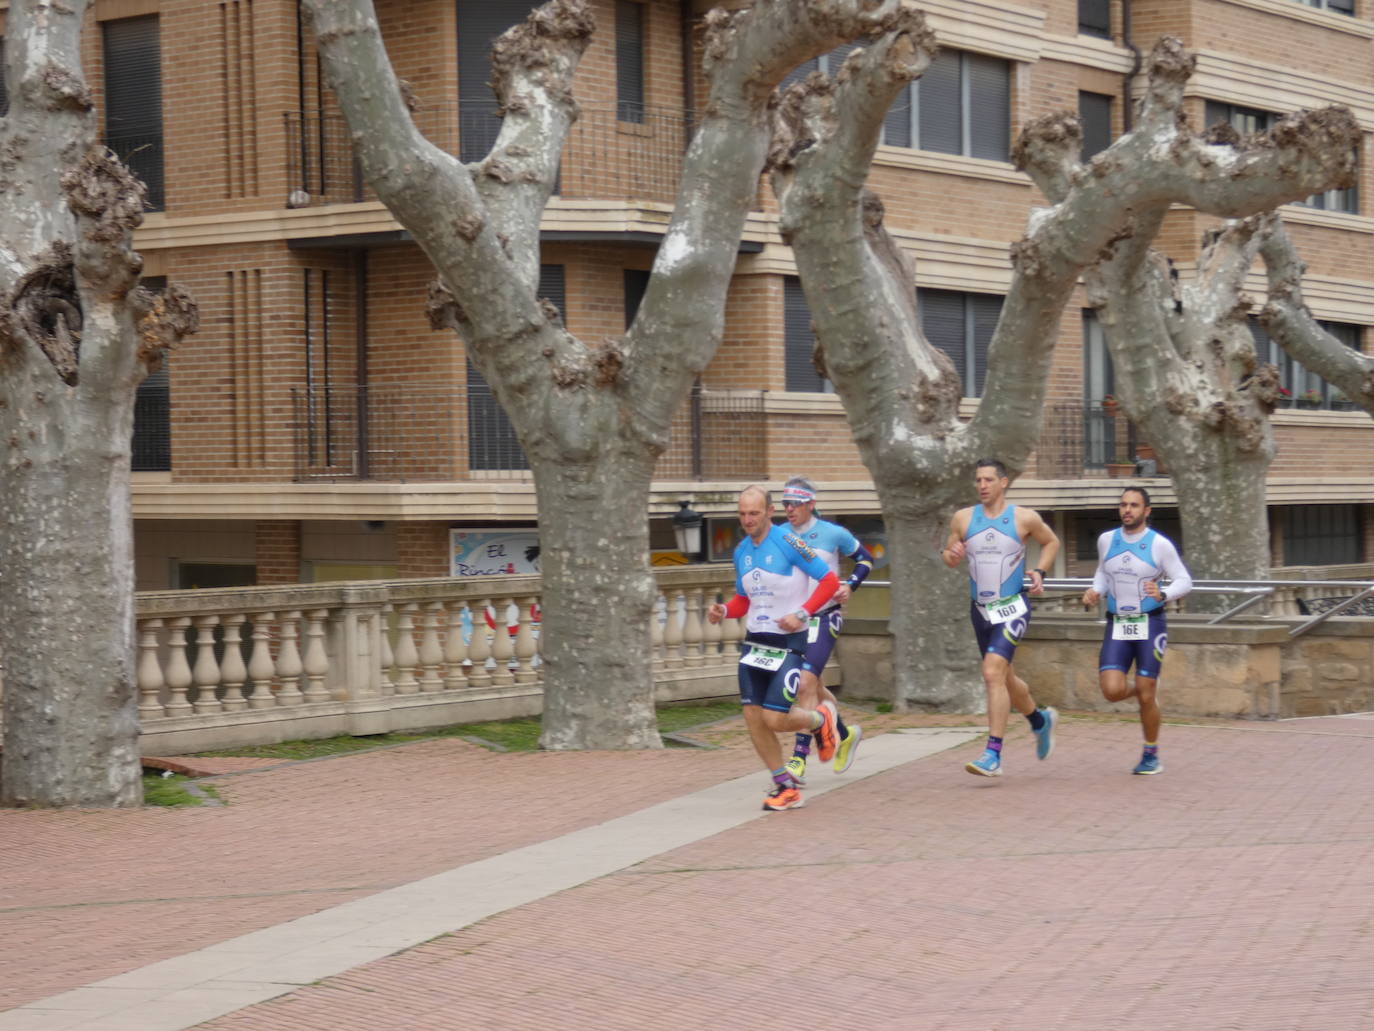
518 735
883 707
171 791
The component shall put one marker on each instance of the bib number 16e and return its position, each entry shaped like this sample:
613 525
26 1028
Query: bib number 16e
1131 628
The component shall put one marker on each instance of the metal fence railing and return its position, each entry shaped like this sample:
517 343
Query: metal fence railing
604 155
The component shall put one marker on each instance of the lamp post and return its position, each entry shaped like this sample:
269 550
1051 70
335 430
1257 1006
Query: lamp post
687 528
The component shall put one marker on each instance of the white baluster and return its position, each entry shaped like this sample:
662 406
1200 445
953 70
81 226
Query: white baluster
692 634
431 655
316 665
524 643
732 632
656 632
150 682
232 670
387 657
260 665
178 670
205 674
455 651
502 647
711 636
407 658
672 632
289 666
479 648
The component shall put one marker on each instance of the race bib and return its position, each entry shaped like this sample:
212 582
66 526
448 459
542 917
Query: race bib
764 658
813 629
1131 628
1005 609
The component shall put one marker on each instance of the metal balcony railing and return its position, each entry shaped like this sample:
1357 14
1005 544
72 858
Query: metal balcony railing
399 434
606 155
1087 436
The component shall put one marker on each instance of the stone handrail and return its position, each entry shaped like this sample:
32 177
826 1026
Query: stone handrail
246 665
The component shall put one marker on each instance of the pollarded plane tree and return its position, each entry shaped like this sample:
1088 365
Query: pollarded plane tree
77 336
592 417
1187 371
1289 322
900 393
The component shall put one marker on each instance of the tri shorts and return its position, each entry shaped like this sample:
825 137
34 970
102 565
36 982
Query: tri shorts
821 632
1147 654
774 689
999 638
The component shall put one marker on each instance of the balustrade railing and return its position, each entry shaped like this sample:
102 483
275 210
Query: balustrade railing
365 657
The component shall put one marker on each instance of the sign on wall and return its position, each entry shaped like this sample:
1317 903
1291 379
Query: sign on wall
493 552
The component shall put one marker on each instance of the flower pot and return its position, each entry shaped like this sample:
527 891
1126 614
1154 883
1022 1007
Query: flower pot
1309 404
1120 470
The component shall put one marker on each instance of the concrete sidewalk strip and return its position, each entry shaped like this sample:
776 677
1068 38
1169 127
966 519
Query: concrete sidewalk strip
187 990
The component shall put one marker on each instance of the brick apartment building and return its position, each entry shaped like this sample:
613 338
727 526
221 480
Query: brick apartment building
316 428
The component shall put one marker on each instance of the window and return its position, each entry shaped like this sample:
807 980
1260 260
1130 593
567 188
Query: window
152 442
478 26
636 282
1305 389
492 443
1095 115
961 325
828 63
1095 18
133 99
629 61
962 105
1249 120
1099 381
1321 535
1244 120
1338 6
799 342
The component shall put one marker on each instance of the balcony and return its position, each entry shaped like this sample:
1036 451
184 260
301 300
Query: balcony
400 434
605 155
1088 437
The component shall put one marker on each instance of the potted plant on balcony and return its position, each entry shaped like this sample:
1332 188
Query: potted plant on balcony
1285 397
1310 399
1109 406
1341 403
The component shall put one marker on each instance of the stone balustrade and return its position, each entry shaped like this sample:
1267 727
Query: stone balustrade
224 668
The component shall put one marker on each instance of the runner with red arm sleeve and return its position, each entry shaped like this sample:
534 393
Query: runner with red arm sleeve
773 572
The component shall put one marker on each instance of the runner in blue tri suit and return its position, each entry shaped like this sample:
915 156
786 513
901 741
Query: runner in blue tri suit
830 541
1131 560
992 536
773 574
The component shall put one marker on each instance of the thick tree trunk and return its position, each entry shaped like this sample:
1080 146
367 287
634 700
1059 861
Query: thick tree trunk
1221 501
67 634
598 598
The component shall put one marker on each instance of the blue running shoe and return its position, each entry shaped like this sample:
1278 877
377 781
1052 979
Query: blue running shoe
1044 737
989 764
1148 766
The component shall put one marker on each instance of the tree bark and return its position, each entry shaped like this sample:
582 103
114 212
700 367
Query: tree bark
1291 325
900 393
76 338
592 419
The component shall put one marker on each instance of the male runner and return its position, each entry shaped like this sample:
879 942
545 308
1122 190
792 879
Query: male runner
993 534
773 571
1130 562
830 541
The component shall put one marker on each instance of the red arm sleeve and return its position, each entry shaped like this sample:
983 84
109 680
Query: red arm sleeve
824 589
737 606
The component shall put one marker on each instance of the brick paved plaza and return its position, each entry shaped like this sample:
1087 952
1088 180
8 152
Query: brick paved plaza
1234 891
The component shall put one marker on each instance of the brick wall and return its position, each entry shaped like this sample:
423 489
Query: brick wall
278 551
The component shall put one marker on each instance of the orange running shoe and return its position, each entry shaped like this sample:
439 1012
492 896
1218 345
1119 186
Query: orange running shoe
781 798
827 734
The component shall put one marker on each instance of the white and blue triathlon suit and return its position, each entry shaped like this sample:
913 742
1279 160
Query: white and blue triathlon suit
776 576
1136 629
830 541
1000 609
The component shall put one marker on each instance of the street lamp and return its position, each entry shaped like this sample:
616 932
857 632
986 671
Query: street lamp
687 529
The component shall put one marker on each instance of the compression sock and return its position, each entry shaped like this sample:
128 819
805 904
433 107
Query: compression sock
782 778
994 744
1037 719
803 747
1152 748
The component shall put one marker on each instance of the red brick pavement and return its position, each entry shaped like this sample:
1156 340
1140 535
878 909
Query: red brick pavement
1234 891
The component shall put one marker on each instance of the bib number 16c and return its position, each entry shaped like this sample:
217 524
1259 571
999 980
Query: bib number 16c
764 658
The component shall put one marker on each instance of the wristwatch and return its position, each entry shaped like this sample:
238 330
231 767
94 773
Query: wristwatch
803 615
1043 575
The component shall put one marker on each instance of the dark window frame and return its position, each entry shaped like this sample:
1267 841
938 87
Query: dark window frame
631 39
134 126
967 95
1322 535
961 324
799 343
